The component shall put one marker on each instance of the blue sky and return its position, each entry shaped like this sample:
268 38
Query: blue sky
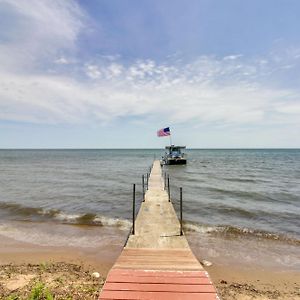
108 74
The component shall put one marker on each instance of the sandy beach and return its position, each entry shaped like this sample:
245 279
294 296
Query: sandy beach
57 232
22 264
245 284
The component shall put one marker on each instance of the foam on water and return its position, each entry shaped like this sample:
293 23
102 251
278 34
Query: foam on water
238 232
61 235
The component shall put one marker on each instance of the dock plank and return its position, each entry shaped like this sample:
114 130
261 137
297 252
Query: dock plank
157 295
148 273
156 280
160 287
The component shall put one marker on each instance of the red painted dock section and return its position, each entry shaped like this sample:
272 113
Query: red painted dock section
146 284
157 263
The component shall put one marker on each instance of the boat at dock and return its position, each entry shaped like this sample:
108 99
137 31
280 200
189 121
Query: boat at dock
174 156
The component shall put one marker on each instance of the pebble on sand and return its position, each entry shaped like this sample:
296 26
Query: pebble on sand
206 263
96 275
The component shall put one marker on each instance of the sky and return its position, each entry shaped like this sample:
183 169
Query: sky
110 73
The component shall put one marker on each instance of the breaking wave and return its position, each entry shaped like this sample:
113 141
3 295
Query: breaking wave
94 220
232 231
20 210
39 214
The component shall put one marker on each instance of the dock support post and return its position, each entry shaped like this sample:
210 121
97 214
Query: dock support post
165 180
133 210
181 231
169 194
143 186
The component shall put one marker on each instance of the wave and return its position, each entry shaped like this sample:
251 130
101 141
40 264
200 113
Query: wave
93 220
232 231
247 195
41 214
21 210
239 193
242 180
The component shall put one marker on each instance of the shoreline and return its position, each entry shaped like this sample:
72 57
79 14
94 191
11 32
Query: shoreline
16 252
232 281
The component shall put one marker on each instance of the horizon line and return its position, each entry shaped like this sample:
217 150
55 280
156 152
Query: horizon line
192 148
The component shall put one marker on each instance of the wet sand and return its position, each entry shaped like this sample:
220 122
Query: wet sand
15 252
232 282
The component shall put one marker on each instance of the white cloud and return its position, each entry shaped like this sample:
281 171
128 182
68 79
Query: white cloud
115 70
38 30
289 108
62 61
92 71
175 93
232 57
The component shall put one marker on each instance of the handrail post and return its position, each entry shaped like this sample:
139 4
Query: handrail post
143 185
169 194
165 180
133 210
181 232
147 181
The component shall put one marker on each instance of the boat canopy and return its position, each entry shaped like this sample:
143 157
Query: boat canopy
175 147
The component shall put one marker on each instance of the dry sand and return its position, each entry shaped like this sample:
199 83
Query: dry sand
30 263
55 280
237 282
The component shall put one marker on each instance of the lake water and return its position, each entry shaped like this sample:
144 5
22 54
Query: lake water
240 196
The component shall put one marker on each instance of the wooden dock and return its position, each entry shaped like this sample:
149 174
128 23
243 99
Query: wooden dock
157 262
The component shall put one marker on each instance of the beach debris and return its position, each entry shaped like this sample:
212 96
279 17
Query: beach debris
206 263
18 282
96 275
223 281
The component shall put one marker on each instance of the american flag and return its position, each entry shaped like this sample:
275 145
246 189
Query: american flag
164 132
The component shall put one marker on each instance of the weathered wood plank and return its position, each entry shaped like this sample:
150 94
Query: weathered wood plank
160 287
152 279
156 273
157 295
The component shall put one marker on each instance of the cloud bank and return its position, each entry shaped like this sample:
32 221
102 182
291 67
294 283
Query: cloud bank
43 81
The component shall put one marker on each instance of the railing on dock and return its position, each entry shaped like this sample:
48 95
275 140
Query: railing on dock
166 186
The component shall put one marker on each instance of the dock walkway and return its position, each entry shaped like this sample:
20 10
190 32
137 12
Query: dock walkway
157 262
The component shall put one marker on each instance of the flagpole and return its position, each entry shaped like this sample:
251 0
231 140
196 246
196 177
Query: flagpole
170 139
